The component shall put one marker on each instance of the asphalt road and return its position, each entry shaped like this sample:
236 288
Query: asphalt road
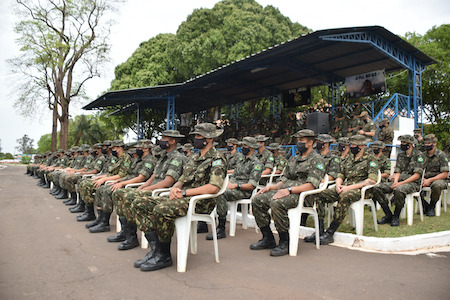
46 254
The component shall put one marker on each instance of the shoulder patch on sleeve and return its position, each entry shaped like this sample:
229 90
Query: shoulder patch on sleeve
99 162
148 165
126 164
271 158
420 159
373 164
217 162
258 167
175 163
336 159
320 166
446 159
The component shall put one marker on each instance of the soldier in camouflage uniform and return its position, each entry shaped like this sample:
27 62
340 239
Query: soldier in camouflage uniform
384 165
59 163
280 160
355 124
204 174
233 156
303 172
386 135
140 172
243 181
406 179
264 155
353 176
343 148
74 162
418 136
187 150
50 161
368 127
436 173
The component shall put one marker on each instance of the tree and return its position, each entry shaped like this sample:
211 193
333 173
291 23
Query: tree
25 145
45 143
0 145
64 43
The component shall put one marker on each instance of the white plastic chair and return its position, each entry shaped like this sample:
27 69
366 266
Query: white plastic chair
131 185
270 177
357 209
295 214
245 206
186 228
409 204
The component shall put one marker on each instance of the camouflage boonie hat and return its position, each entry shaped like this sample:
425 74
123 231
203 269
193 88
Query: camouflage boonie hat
172 133
117 143
304 133
344 141
61 150
407 138
385 121
75 149
417 130
144 144
85 147
188 146
274 146
47 153
97 146
131 151
107 143
430 138
261 138
326 138
207 130
363 114
378 144
232 141
358 140
250 142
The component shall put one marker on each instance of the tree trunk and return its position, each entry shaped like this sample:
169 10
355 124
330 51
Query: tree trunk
64 122
55 127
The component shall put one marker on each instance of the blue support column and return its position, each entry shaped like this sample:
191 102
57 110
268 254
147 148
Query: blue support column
170 113
276 106
139 127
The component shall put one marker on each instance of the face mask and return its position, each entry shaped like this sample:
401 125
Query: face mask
429 147
319 146
355 150
301 147
164 144
416 136
158 156
341 148
381 127
404 147
376 151
139 152
185 152
230 148
114 153
200 143
94 153
80 152
104 151
245 151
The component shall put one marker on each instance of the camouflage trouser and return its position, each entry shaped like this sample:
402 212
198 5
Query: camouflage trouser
380 191
50 176
165 213
103 196
39 173
123 198
34 169
263 202
387 152
55 177
399 193
436 189
230 195
87 190
70 181
142 209
62 180
344 201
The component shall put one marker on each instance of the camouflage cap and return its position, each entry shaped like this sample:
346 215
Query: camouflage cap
107 143
407 138
179 147
85 147
274 146
117 143
188 146
207 130
97 146
385 121
358 140
417 130
75 149
304 133
232 141
131 151
326 138
378 144
47 153
145 144
261 138
344 141
172 133
430 138
363 114
61 150
250 142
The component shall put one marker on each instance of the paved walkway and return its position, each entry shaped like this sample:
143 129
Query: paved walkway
46 254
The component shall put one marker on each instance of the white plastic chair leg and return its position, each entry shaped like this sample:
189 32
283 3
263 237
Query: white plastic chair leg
409 201
294 231
374 215
244 211
233 213
182 227
118 225
144 242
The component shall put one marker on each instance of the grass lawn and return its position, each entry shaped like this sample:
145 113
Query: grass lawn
429 225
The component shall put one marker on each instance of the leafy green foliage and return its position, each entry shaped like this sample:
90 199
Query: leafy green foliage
45 143
25 159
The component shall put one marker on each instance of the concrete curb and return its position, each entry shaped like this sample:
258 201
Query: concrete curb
416 244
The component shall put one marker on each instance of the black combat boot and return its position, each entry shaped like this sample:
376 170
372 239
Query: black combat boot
155 245
41 182
72 200
54 189
161 259
396 217
131 238
327 237
88 214
202 227
122 235
388 214
431 212
80 207
62 195
283 246
312 237
103 226
46 184
220 231
267 241
303 219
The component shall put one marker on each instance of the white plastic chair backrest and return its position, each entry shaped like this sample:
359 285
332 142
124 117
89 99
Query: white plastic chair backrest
364 189
322 186
159 192
421 181
134 185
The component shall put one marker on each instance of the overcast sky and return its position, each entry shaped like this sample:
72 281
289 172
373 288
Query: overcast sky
139 20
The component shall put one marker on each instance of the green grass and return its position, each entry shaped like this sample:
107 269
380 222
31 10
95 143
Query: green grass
429 225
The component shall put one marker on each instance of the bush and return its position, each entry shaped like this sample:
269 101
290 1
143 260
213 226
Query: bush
8 156
25 159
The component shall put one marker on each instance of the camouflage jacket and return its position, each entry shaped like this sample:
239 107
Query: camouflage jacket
300 170
121 166
233 159
170 164
369 126
408 165
356 170
384 164
266 158
435 164
280 162
135 166
88 160
386 135
98 163
78 162
62 162
332 164
247 170
201 170
147 168
110 160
